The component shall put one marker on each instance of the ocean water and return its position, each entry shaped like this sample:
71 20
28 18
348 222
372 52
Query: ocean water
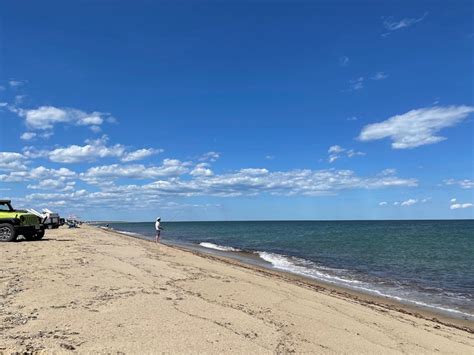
426 263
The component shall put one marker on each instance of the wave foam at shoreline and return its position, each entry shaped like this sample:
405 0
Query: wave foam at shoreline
217 247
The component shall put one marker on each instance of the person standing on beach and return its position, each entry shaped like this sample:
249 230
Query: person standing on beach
158 229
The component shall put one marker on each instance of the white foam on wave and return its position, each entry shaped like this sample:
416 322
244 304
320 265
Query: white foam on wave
286 264
125 232
291 265
418 303
217 247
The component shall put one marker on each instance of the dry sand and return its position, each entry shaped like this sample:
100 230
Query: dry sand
88 290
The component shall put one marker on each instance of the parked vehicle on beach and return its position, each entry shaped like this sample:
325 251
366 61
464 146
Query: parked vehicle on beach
49 219
18 222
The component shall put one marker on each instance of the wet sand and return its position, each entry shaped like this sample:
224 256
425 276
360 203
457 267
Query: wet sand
89 290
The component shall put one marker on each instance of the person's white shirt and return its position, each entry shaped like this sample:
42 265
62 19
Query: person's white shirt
157 225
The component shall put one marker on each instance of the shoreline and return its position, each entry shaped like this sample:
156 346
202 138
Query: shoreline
347 293
90 290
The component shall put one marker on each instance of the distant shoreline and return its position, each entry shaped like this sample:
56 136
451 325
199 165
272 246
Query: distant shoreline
292 220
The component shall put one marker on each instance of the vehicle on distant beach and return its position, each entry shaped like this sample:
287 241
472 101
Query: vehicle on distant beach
18 222
72 222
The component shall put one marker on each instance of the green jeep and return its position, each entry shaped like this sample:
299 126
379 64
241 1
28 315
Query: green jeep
15 222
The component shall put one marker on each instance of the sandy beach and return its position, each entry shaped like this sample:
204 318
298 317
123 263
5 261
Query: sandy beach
88 290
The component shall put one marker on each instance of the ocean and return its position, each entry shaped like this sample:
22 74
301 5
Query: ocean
427 263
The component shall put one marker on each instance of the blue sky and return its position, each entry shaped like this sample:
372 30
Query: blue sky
197 110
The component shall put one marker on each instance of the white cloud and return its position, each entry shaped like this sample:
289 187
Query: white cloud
210 156
95 129
392 25
45 117
456 206
38 173
56 184
294 182
249 182
28 136
92 151
465 184
336 151
379 76
383 203
44 173
140 154
269 157
12 161
344 61
352 153
409 202
16 83
388 172
170 167
201 169
416 127
32 153
357 84
353 118
19 99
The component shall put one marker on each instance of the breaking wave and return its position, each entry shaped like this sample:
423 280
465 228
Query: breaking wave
217 247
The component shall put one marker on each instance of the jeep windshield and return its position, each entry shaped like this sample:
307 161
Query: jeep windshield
5 207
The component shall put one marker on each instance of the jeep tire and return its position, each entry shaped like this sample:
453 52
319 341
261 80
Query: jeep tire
7 232
39 235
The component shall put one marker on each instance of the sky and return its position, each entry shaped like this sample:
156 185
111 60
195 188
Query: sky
238 110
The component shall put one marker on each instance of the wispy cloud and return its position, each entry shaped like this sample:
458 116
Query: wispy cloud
460 206
113 183
344 61
210 156
37 174
416 127
409 202
140 154
14 83
465 184
335 152
202 169
12 161
44 118
92 150
391 25
28 136
379 76
454 205
169 168
356 84
406 203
